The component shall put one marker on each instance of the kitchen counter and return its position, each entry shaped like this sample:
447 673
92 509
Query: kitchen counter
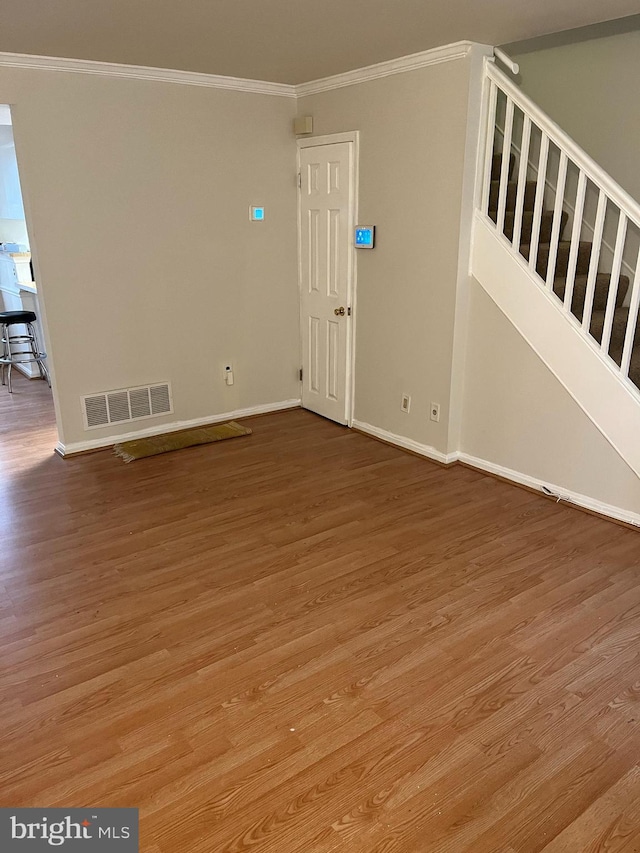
15 270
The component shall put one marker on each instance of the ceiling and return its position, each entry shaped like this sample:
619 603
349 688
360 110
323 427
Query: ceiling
286 41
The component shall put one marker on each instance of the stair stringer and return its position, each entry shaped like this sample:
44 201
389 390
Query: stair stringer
606 399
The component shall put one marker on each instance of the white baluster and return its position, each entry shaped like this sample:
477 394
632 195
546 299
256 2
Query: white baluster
570 157
537 208
595 260
522 182
506 163
576 232
632 320
557 219
488 154
615 282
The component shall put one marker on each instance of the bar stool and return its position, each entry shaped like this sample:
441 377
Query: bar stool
14 346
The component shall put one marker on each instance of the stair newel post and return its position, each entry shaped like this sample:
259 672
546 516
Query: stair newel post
557 219
594 260
522 181
537 208
632 320
614 283
506 165
576 232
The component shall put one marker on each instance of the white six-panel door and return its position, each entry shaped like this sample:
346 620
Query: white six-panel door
326 214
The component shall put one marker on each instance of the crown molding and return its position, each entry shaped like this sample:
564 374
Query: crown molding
141 72
446 53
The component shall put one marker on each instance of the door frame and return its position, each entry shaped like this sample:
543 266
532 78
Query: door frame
352 136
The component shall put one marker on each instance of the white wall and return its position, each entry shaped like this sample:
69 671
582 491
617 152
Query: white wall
137 196
590 89
10 196
412 145
150 270
519 417
13 231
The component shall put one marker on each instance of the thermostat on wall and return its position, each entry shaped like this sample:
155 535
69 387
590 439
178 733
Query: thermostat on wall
256 214
365 236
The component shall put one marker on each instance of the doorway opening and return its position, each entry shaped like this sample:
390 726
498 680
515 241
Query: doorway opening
19 289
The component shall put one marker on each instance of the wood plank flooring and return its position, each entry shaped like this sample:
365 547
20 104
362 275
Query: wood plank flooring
309 641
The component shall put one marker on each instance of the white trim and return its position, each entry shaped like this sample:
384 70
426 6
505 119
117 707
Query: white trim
406 443
351 387
142 72
560 492
329 139
472 167
446 53
161 429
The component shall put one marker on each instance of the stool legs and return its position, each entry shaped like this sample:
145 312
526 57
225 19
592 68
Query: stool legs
5 365
37 354
10 358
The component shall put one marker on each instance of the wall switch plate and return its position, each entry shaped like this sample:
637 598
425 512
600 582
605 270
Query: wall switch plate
405 403
434 411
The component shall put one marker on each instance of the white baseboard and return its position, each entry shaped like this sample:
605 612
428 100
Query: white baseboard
565 495
406 443
160 429
23 369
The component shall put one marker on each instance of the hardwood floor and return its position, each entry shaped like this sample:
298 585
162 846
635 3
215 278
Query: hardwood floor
306 640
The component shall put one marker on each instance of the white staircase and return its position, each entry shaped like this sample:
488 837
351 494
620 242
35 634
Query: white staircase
574 298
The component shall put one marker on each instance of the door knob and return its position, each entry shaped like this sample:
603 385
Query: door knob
339 312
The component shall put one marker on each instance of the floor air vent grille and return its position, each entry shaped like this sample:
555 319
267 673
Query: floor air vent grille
127 404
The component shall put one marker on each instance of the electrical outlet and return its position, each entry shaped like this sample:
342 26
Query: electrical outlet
228 374
434 411
405 403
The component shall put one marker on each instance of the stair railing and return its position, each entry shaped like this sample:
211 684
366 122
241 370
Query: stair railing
531 119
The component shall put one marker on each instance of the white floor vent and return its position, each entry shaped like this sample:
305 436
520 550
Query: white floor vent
128 404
